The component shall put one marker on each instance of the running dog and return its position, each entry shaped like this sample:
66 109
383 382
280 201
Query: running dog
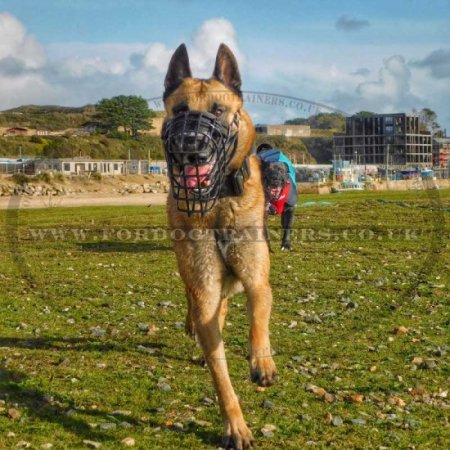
216 213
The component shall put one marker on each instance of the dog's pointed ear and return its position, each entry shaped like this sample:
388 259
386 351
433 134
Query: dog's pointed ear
226 69
178 70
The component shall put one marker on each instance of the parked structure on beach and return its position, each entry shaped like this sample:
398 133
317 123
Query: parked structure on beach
81 166
86 166
10 166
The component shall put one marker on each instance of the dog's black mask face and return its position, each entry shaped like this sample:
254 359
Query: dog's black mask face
275 177
198 147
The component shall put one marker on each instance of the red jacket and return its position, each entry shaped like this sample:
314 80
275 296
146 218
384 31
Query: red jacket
279 204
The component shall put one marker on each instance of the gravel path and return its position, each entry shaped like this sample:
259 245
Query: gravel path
70 201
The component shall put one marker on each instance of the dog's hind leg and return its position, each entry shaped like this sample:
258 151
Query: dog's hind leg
223 309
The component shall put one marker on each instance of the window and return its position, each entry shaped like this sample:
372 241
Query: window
66 167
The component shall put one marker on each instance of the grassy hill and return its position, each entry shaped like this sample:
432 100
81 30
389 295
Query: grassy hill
95 146
60 118
53 118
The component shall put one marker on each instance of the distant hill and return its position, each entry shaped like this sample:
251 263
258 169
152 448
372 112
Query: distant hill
50 117
47 109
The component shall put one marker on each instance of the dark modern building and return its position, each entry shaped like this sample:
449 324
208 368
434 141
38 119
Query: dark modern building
393 139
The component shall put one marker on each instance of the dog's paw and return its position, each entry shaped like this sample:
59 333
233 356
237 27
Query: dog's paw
238 437
286 247
263 371
199 361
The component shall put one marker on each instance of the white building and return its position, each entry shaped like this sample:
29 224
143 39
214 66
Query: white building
86 166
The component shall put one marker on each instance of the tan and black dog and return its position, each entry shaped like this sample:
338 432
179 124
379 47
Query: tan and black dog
208 137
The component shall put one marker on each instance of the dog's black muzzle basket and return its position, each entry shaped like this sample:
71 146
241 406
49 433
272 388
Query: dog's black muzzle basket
198 148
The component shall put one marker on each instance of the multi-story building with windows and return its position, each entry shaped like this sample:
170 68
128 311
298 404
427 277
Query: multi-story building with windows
441 152
393 139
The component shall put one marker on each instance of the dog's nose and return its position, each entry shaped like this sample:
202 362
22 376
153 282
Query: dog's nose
198 158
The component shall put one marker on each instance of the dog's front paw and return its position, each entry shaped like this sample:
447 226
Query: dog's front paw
238 437
263 371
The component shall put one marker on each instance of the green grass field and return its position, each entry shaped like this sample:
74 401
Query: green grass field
92 343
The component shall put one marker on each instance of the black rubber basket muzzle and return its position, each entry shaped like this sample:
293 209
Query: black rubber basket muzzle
198 148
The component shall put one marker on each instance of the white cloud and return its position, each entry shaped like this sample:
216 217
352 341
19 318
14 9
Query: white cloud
391 92
393 85
21 59
206 41
157 56
438 62
202 49
85 67
76 73
17 44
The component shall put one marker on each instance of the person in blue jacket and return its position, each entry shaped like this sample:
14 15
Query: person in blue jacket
280 188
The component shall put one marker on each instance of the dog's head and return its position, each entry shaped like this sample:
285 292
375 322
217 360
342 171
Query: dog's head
206 133
275 178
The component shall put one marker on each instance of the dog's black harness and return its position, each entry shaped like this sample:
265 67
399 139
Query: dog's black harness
198 148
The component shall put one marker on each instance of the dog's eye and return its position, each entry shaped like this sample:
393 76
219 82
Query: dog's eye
219 112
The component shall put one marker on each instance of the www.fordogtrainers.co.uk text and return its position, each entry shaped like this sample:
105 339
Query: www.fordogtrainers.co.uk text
161 234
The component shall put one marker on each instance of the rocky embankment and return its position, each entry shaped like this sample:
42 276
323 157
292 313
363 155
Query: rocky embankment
36 189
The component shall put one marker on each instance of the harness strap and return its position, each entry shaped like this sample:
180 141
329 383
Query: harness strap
233 185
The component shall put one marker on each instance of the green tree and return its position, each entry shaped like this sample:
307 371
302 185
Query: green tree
130 112
365 114
323 121
297 121
427 120
327 121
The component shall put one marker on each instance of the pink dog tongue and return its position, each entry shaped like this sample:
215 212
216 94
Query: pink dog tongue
194 181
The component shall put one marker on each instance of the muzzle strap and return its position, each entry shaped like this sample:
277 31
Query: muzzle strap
233 185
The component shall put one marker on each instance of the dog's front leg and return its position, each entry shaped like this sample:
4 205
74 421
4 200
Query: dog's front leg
206 313
255 255
189 327
287 221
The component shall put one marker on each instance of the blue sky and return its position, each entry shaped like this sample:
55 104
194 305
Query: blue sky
383 56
